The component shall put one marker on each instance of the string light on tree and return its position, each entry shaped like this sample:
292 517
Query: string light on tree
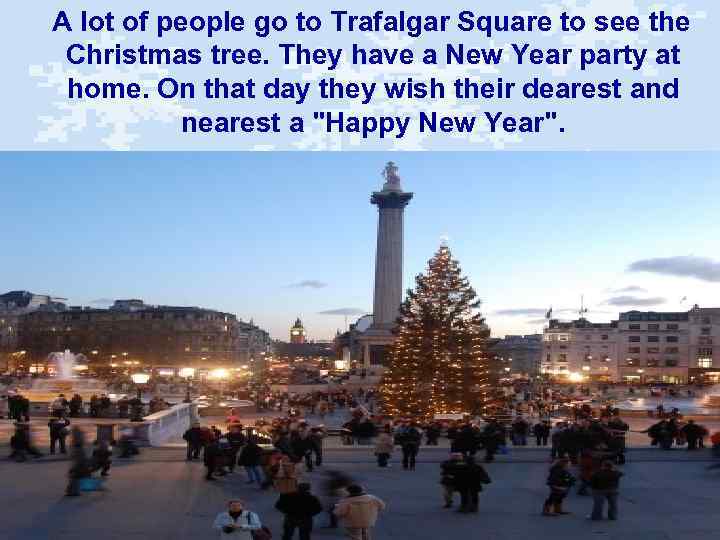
439 361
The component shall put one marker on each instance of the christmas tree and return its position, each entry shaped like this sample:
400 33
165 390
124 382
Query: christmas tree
439 361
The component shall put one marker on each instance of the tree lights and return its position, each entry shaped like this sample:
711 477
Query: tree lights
439 361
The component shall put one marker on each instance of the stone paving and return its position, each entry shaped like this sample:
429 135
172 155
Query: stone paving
664 495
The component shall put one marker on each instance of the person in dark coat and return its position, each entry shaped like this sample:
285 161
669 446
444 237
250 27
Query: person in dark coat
194 439
432 433
251 459
237 440
605 484
693 433
21 443
409 439
76 403
466 440
80 465
58 433
469 483
493 436
541 430
560 481
299 509
450 470
317 434
212 457
301 446
101 455
520 429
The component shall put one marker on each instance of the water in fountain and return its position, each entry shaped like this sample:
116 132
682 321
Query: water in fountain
64 363
712 397
64 382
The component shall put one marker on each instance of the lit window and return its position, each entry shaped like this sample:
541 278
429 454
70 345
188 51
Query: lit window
704 362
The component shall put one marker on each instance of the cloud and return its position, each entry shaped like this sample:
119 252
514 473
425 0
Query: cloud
343 311
629 288
102 302
536 321
308 284
521 312
628 300
702 268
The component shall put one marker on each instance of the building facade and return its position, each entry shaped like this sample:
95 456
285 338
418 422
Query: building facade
653 346
579 350
517 356
704 359
13 306
131 331
639 347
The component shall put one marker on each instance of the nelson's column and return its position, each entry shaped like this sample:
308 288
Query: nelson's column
391 202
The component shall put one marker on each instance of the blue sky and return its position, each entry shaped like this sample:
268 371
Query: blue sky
242 231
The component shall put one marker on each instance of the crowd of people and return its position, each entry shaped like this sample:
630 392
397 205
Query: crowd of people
281 455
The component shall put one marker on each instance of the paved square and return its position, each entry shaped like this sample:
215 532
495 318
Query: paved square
160 496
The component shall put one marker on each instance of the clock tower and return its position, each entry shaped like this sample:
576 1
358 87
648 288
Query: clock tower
297 332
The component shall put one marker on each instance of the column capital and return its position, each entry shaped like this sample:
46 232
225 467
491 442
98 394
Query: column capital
391 199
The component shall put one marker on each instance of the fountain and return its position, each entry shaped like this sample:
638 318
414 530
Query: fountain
64 363
65 381
707 405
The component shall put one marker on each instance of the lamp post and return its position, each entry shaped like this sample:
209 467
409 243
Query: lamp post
187 373
137 407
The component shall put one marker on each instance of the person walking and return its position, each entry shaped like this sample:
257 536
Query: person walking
692 433
469 483
299 509
101 455
384 446
237 522
212 457
317 435
493 436
450 472
541 430
605 484
58 433
59 406
21 443
410 438
80 465
520 428
76 405
334 487
560 481
194 439
359 512
251 459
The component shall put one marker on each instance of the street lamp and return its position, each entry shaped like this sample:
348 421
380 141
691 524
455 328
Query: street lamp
137 407
187 373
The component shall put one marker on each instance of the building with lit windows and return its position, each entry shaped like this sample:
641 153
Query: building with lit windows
517 356
704 360
639 347
131 331
13 305
653 346
580 350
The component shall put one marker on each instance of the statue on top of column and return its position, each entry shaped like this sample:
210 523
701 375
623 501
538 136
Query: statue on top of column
392 179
